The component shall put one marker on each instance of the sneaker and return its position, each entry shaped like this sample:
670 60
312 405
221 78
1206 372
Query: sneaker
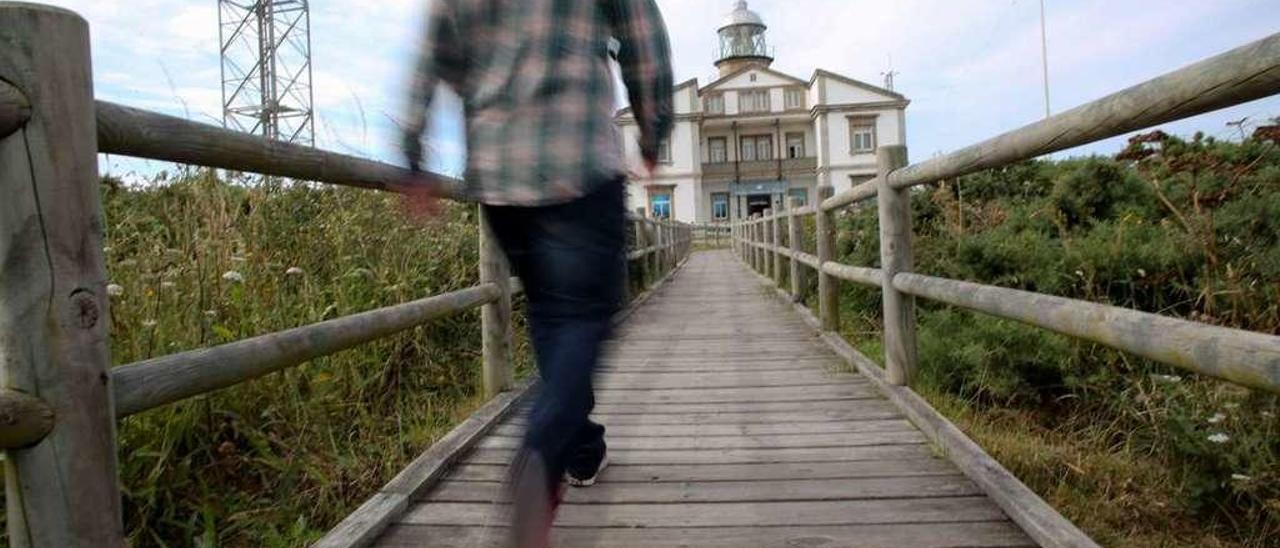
535 503
585 468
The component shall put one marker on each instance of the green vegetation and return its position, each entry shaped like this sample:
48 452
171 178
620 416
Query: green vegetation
197 261
1137 453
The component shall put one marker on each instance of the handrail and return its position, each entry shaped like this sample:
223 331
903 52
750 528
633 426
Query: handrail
1242 357
160 381
1244 74
129 131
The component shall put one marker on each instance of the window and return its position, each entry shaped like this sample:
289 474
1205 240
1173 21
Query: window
720 206
801 195
757 148
795 99
660 204
664 151
855 180
753 101
714 104
795 145
718 150
862 135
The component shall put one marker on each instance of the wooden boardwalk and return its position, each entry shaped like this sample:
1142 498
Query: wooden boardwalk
728 427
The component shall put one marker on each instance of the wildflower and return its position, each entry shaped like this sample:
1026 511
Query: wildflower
211 313
149 323
1217 418
1167 379
1219 438
233 277
115 290
1080 273
1142 273
1240 477
106 250
294 271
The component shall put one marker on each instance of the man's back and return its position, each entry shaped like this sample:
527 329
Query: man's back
535 78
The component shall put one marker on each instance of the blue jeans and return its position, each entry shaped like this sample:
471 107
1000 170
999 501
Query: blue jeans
571 260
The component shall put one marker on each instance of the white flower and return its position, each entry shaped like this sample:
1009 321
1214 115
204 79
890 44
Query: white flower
106 250
1142 273
1217 418
149 323
233 277
211 313
295 271
1219 438
115 290
1167 379
1240 477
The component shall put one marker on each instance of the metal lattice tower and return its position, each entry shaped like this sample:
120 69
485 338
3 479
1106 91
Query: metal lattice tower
266 68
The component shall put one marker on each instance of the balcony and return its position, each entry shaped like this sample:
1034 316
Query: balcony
760 170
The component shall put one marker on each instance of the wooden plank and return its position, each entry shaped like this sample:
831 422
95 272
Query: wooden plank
761 408
987 534
152 383
789 489
54 308
677 379
608 399
367 522
859 275
511 428
749 514
828 286
1040 521
742 472
849 411
738 456
776 441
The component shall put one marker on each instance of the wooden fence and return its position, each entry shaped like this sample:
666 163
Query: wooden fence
771 243
60 397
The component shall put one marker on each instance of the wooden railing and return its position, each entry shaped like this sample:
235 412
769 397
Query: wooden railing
60 397
1242 357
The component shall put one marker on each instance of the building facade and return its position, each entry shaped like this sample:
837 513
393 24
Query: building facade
755 137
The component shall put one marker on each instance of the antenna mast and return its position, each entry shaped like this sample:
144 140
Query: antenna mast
266 68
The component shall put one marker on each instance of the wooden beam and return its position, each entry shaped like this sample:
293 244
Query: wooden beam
856 274
152 383
499 373
24 419
828 286
1238 76
795 233
135 132
15 110
54 314
1243 357
896 256
775 240
864 191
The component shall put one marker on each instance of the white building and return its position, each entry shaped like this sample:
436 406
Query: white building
755 136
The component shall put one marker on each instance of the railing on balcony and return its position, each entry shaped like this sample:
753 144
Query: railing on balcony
759 169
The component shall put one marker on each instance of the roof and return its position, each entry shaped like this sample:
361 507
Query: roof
855 83
742 70
741 15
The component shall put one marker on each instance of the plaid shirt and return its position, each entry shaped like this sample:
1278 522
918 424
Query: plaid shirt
535 79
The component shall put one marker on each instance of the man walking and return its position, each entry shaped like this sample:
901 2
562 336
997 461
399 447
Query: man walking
544 159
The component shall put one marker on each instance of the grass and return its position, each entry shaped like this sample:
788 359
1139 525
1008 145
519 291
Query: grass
195 261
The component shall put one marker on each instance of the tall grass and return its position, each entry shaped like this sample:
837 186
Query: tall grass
198 261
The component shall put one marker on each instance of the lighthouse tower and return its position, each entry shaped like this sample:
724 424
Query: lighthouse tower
742 41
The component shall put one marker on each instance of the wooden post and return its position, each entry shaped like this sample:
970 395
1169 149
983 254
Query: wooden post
642 243
895 257
828 286
776 240
495 317
766 262
794 234
54 309
655 241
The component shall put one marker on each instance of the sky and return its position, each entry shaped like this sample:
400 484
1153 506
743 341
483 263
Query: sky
972 68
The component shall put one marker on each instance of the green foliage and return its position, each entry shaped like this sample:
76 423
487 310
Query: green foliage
1183 228
277 461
